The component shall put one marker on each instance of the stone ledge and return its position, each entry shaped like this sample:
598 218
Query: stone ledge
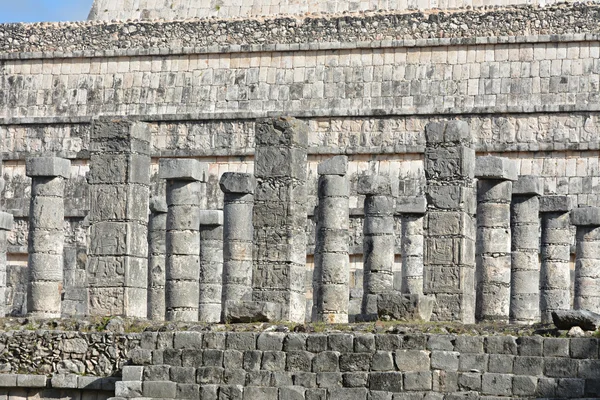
311 46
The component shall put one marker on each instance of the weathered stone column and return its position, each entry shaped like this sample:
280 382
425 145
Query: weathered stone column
157 249
587 263
237 236
119 181
280 216
412 211
46 235
493 260
211 265
378 241
185 178
525 270
449 261
555 275
6 225
332 269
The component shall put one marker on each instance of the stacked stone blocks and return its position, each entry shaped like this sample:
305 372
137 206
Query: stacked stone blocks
587 262
449 257
525 267
185 180
332 273
157 250
555 275
119 181
493 246
359 366
46 235
279 216
211 266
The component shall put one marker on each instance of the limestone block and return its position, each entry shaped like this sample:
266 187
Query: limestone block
374 185
585 216
411 205
158 205
555 203
182 169
444 163
492 167
48 166
235 182
252 311
119 168
566 319
447 131
120 136
402 307
528 185
337 165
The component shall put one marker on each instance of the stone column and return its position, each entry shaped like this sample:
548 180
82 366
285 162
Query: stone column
493 260
185 178
119 179
46 235
525 270
332 269
587 263
280 214
449 258
237 237
157 249
211 265
555 274
378 241
6 225
412 211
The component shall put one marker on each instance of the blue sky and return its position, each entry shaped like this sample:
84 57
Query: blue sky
44 10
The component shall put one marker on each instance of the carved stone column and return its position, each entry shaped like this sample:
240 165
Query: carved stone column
119 181
46 235
587 263
157 249
555 275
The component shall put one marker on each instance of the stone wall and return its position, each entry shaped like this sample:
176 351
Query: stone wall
183 9
53 352
359 366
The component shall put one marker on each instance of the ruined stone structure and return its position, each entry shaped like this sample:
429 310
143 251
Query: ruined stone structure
294 161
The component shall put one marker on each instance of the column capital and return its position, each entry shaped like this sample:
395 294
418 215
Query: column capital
47 167
182 169
528 185
585 216
211 217
337 165
411 205
375 185
237 182
555 204
492 167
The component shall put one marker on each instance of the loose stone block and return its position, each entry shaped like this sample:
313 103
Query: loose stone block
211 265
525 266
555 277
331 274
237 237
449 258
46 237
182 291
587 261
119 240
279 215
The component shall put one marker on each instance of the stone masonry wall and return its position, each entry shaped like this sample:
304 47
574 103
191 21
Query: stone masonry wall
360 366
183 9
54 352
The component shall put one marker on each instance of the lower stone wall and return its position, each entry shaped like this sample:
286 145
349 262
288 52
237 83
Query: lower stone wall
359 366
65 387
50 352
